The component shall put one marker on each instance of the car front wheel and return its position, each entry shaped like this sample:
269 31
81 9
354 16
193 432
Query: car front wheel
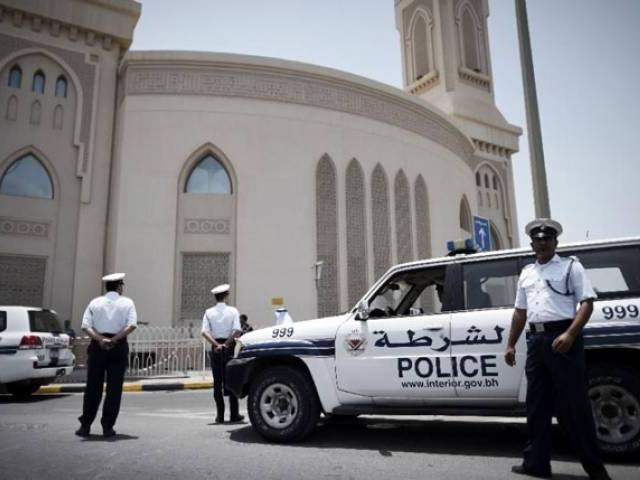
22 390
283 406
615 400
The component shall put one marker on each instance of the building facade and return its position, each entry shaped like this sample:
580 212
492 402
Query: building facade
288 181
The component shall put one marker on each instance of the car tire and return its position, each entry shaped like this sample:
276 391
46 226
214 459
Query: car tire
615 399
22 390
283 405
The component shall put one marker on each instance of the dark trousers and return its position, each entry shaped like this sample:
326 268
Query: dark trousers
218 363
100 364
557 384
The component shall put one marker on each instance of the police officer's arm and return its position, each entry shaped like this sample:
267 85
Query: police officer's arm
584 294
518 322
563 342
236 330
87 327
132 323
206 333
104 342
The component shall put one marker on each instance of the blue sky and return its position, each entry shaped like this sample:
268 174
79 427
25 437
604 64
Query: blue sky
586 62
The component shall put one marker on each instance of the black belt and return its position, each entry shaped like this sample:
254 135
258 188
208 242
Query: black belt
550 327
221 340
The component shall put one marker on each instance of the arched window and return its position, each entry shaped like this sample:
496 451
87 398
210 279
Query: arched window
420 47
27 177
208 176
495 182
465 215
470 38
486 180
478 182
38 82
61 87
15 77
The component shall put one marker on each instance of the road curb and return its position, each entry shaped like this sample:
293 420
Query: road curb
130 387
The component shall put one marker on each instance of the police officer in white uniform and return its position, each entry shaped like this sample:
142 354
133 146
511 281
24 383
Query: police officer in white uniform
220 327
108 320
548 292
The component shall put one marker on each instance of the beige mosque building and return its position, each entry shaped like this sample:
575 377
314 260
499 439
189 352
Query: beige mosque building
185 170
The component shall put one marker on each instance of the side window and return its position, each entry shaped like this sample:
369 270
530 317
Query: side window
3 321
614 272
490 284
44 321
414 292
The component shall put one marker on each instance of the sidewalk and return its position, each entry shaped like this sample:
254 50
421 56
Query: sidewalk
192 381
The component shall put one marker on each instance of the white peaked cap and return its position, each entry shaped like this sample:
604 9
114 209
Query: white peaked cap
113 277
220 289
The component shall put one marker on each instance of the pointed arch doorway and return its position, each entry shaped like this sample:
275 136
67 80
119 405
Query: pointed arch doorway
206 233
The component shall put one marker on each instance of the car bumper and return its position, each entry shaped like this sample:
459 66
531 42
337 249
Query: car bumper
26 366
237 375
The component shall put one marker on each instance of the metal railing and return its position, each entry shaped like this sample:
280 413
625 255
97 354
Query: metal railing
158 351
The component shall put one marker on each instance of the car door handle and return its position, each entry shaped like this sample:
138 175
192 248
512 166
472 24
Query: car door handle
434 326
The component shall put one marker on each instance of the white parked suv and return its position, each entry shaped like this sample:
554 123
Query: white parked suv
429 338
33 349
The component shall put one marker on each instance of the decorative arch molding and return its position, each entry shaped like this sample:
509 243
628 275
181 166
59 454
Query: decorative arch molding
381 223
46 163
328 292
198 154
356 233
83 73
218 75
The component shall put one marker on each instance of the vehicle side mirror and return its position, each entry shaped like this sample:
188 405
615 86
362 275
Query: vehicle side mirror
362 312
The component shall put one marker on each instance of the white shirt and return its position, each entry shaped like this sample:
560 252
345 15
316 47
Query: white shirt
220 321
543 304
110 313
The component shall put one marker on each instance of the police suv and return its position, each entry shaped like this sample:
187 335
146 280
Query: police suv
429 338
33 349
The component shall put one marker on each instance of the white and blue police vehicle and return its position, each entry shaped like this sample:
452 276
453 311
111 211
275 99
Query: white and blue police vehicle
429 338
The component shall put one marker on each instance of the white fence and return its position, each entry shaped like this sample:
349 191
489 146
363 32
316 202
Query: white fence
156 351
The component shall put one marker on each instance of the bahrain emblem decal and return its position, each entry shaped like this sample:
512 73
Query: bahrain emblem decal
355 342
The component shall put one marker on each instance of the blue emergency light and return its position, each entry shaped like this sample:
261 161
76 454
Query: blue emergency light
466 245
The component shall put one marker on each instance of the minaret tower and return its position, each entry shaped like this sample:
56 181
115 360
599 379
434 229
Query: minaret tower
446 61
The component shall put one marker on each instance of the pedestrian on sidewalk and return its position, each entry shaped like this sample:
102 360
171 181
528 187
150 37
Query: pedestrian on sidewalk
244 323
108 320
548 292
220 327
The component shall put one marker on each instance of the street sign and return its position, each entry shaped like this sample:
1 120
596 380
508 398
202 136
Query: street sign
481 233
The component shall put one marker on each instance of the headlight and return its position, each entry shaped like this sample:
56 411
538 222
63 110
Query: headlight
237 348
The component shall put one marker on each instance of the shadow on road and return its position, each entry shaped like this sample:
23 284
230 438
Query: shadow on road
118 437
385 435
4 399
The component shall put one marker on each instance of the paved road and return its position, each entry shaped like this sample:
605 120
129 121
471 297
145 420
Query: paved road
163 435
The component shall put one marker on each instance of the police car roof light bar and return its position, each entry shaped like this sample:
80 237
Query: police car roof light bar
461 246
